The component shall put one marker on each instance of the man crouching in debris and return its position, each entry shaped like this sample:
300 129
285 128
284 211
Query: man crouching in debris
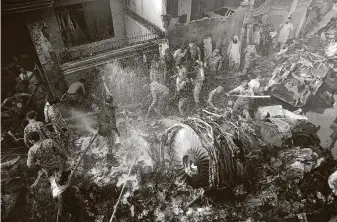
108 124
247 88
46 155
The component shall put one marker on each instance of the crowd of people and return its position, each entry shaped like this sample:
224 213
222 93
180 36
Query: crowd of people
182 76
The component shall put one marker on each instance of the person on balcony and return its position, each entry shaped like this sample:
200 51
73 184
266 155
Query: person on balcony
234 53
76 91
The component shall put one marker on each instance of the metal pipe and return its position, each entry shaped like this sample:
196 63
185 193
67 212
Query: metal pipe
81 157
120 195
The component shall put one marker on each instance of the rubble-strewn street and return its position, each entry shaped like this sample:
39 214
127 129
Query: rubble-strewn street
169 110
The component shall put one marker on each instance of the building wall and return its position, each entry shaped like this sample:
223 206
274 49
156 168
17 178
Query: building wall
185 7
53 28
118 18
133 27
151 10
221 31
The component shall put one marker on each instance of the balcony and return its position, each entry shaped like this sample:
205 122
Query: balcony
81 52
89 55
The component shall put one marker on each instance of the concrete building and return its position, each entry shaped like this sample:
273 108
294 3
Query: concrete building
66 37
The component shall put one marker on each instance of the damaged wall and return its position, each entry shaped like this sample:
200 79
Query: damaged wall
151 10
185 7
45 46
221 30
133 27
118 18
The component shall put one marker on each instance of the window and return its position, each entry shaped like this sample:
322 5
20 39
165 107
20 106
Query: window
172 7
86 22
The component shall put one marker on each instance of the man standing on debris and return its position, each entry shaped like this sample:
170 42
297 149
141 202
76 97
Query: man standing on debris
198 83
159 95
76 91
34 126
158 70
180 55
53 115
251 53
287 27
215 63
217 91
182 89
234 53
108 123
39 93
193 55
169 61
257 34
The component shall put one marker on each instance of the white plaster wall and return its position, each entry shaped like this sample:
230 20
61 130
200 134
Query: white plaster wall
151 10
184 7
133 27
118 18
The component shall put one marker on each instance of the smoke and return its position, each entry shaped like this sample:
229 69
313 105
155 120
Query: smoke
82 119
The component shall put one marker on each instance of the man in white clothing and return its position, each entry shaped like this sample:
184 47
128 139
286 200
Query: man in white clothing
287 27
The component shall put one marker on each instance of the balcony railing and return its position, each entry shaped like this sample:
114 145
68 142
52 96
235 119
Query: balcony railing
85 51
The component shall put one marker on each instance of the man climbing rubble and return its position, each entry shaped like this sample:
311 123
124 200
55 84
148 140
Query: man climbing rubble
34 126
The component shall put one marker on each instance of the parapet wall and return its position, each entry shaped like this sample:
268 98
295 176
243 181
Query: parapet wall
221 30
